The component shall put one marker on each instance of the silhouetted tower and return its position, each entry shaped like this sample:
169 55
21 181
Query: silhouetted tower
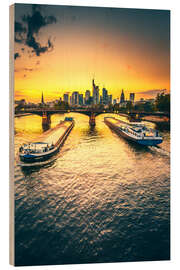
42 98
122 97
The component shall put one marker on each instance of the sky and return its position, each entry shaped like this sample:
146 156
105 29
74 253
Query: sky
60 49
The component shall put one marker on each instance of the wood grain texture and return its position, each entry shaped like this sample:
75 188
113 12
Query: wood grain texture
11 136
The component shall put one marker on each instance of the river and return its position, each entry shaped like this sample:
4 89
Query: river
103 199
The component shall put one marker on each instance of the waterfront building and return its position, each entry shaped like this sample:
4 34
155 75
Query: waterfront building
122 99
66 98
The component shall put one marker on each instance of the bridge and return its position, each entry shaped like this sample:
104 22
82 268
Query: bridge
49 111
91 112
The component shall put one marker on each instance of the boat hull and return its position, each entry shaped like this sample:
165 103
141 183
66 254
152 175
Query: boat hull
145 142
29 158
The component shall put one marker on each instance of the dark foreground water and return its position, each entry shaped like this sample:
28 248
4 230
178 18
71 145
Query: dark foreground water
102 200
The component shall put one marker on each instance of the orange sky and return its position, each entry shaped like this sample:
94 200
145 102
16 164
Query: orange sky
117 58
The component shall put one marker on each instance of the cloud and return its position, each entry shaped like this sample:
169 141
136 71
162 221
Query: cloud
152 92
28 69
16 55
26 32
20 31
24 69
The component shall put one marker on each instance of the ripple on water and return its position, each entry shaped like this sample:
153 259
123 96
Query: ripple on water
102 199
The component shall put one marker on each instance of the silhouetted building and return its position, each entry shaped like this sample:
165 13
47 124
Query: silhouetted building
75 98
105 96
87 97
66 98
109 99
132 97
80 99
122 99
95 93
114 101
91 100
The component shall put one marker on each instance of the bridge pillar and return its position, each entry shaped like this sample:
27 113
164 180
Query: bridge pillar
92 121
46 121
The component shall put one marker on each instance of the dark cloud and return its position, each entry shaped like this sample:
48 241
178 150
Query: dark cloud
28 34
20 31
152 92
24 69
28 69
16 55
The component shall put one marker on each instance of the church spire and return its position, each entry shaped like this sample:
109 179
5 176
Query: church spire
42 98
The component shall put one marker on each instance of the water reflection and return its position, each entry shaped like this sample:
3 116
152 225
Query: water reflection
102 199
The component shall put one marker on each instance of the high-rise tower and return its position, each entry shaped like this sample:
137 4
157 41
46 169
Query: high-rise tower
95 93
122 97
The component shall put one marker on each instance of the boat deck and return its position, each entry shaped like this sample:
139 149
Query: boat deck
52 136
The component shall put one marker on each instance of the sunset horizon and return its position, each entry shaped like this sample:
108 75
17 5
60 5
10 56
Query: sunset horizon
120 48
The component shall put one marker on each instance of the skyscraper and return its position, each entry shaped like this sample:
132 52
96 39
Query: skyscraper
122 97
75 98
109 99
95 93
105 96
132 97
87 97
66 98
80 99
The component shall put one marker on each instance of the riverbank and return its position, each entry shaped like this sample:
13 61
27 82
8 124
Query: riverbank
156 119
22 114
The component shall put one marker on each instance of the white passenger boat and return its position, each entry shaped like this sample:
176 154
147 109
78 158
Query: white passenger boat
135 132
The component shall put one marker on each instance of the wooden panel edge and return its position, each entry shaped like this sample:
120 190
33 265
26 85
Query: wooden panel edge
11 135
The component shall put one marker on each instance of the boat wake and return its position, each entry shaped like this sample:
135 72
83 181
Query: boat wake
37 164
159 150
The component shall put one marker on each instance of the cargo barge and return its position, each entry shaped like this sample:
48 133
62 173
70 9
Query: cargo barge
48 143
135 132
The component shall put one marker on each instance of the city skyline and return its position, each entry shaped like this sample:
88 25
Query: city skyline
69 94
71 45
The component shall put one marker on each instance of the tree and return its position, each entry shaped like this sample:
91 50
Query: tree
129 106
62 105
163 102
